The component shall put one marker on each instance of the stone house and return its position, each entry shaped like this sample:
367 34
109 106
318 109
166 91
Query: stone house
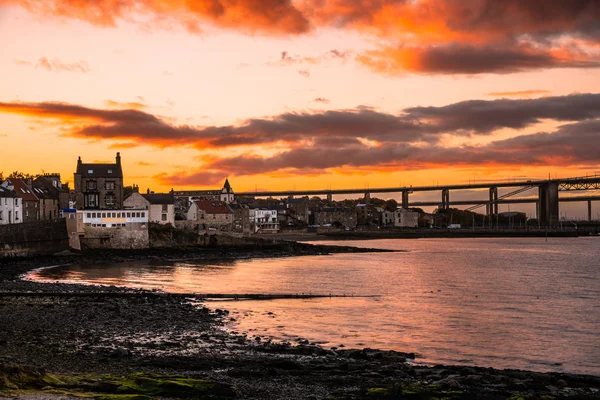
338 216
54 189
404 218
298 209
11 205
99 186
241 218
30 202
211 214
161 206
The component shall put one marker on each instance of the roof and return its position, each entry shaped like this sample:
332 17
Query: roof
22 190
6 193
227 185
214 207
99 170
159 198
301 200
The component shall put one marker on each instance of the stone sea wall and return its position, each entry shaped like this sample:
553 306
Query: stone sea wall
33 238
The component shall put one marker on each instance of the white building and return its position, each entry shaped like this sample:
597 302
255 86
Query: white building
11 207
161 206
404 218
264 220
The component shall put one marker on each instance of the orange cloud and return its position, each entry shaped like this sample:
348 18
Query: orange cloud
128 105
520 93
269 16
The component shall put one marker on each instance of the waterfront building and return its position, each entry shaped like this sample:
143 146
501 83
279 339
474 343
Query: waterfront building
404 218
30 202
10 207
211 214
53 195
336 216
99 186
264 220
161 206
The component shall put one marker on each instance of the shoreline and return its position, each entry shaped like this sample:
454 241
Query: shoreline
165 335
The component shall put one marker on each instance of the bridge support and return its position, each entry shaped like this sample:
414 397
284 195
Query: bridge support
492 206
548 199
589 210
329 197
367 198
445 199
405 199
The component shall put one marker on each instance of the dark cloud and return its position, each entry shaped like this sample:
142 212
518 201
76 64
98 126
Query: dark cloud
415 124
305 73
570 145
480 116
321 100
467 59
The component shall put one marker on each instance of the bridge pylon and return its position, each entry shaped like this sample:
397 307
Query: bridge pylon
548 199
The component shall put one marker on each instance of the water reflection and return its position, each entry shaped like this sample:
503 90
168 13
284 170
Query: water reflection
507 303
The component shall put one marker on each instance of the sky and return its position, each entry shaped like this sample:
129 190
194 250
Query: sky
284 94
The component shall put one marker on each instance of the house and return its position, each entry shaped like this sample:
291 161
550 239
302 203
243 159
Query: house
53 195
337 216
241 218
211 214
298 209
184 199
30 202
386 218
10 207
161 206
264 220
99 186
404 218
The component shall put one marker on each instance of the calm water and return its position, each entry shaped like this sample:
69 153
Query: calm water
504 303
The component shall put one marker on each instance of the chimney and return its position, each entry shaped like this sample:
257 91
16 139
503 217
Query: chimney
136 188
148 191
118 158
79 160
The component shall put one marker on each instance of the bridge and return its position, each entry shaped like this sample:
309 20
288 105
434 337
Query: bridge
547 201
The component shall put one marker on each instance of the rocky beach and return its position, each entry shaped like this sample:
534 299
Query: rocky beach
62 341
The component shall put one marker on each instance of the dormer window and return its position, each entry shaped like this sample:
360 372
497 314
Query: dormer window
110 171
90 171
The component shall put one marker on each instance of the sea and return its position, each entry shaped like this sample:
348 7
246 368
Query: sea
521 303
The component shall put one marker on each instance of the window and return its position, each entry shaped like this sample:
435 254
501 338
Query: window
109 200
164 217
214 216
137 214
110 172
110 185
165 208
90 171
128 215
143 215
104 215
16 215
91 185
113 215
0 215
201 216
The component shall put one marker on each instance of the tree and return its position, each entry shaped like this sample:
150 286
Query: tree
391 205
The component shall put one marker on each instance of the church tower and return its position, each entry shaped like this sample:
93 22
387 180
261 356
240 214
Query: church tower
227 192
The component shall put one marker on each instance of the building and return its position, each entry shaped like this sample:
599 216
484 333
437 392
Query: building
53 195
264 220
30 202
335 216
99 186
116 229
298 209
211 214
11 210
404 218
161 206
241 218
386 218
185 198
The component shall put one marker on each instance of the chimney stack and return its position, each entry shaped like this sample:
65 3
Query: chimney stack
118 158
79 160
